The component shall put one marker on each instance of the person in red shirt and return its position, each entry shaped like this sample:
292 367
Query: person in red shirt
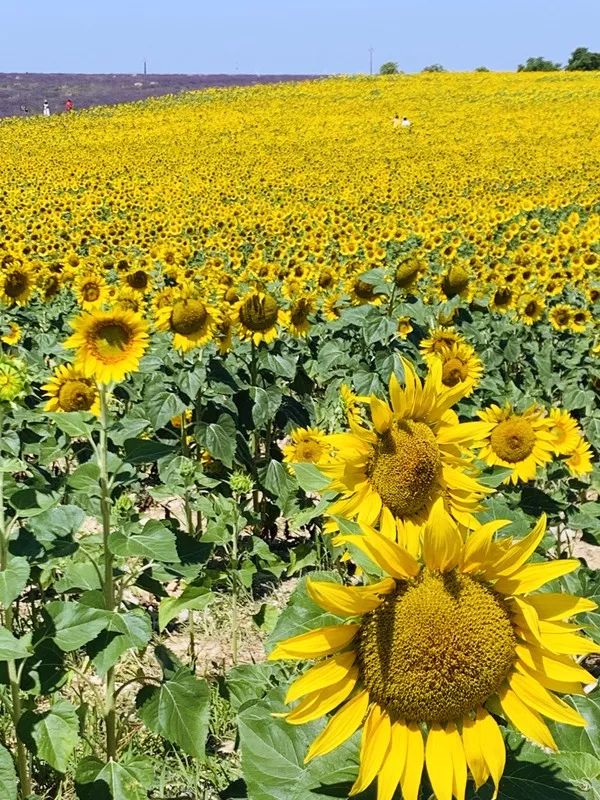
69 104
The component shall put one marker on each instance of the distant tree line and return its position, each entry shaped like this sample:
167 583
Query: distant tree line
581 59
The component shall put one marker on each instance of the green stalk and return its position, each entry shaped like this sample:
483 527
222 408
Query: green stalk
110 716
234 592
13 677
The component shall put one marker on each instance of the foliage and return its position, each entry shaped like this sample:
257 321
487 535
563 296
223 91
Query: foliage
389 68
538 64
582 59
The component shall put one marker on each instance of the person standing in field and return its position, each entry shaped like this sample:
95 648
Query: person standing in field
406 123
395 121
69 104
46 111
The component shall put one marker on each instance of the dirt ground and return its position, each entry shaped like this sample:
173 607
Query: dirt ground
23 94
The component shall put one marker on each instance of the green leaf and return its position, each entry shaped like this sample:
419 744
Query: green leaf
266 404
78 576
74 624
192 597
12 648
273 757
162 407
277 481
59 521
178 710
13 580
155 542
73 423
124 630
310 478
146 451
29 502
51 735
127 779
249 683
583 771
220 439
581 740
86 478
8 775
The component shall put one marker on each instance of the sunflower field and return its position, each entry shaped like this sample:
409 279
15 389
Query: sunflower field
299 435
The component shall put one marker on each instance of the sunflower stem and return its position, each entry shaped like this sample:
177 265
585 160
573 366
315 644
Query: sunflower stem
13 676
390 310
110 716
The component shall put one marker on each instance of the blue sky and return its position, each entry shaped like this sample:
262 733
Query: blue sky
288 36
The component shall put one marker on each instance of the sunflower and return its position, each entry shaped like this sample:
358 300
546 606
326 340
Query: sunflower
460 364
224 333
415 452
190 320
519 441
560 317
69 390
16 283
308 445
432 650
564 434
580 459
502 299
580 319
299 313
258 314
456 281
91 291
351 404
531 309
13 379
404 327
14 334
438 339
408 271
108 344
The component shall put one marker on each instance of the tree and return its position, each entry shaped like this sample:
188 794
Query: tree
434 68
582 59
538 64
389 68
481 69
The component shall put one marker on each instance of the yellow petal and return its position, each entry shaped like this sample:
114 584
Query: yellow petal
525 616
464 433
525 719
382 551
568 644
381 415
552 606
536 697
341 726
410 781
323 674
492 746
313 644
391 770
531 577
556 667
374 746
323 701
350 601
563 687
395 393
474 752
442 542
476 547
459 761
520 551
439 762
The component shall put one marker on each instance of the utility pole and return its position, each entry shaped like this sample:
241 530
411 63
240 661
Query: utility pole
371 51
145 67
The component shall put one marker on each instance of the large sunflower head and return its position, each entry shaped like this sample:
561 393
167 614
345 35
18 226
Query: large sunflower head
69 390
460 365
108 344
190 320
563 430
415 452
307 445
519 441
16 283
431 650
258 314
91 291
